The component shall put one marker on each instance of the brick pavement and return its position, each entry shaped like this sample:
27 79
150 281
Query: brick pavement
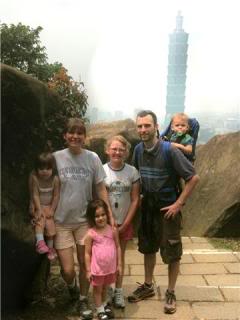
208 286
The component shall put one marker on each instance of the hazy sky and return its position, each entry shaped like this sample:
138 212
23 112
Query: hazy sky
119 48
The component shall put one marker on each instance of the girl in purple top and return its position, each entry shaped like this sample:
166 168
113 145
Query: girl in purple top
102 255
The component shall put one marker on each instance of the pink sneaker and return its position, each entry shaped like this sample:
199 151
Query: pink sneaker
41 247
52 254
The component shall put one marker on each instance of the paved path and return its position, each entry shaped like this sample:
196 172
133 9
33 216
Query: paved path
208 287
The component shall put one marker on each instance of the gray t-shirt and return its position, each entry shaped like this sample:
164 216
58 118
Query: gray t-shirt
119 184
77 173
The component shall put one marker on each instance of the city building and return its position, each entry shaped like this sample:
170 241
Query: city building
177 67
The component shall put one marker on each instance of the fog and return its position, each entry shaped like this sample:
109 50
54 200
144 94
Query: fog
119 49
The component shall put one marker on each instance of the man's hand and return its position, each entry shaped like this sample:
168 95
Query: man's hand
172 210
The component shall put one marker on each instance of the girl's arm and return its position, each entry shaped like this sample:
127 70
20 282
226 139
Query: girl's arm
88 255
30 189
135 191
55 197
118 248
102 194
186 149
35 197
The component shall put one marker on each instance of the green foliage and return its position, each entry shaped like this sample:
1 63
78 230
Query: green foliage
21 48
72 92
45 72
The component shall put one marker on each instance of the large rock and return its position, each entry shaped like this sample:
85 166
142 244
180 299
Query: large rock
26 104
214 207
98 134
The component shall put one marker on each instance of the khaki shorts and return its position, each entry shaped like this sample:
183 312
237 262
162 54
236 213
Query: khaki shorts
67 235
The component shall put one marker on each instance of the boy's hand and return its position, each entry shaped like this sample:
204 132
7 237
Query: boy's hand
175 144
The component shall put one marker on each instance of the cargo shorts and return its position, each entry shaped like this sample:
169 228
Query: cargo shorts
156 232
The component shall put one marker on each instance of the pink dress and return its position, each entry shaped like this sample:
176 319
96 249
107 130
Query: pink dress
104 254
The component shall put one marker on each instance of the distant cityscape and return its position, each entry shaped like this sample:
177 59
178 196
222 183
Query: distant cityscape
211 123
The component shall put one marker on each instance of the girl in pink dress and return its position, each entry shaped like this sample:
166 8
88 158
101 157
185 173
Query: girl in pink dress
102 255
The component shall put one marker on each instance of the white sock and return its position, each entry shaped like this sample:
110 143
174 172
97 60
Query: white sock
105 304
100 309
39 237
81 298
119 290
50 243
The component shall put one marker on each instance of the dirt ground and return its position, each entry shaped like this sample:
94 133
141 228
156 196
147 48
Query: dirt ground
54 305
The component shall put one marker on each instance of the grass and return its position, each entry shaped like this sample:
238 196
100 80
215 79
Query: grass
226 243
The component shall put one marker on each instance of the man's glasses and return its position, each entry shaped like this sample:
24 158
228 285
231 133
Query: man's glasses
118 150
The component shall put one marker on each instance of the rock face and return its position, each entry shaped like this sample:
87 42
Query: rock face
214 207
98 134
26 102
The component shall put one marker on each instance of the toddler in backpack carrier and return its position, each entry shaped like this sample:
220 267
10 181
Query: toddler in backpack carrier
182 132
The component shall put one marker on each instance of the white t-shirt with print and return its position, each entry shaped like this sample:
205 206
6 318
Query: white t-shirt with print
77 173
119 184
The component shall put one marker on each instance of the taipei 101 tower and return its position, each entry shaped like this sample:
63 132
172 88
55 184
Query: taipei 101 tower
177 67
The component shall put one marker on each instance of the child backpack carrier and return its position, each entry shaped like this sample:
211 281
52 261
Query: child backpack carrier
194 127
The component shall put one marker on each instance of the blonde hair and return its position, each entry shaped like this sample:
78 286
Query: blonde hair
180 115
120 139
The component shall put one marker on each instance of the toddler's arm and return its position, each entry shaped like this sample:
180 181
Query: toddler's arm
55 197
35 197
30 189
88 255
186 149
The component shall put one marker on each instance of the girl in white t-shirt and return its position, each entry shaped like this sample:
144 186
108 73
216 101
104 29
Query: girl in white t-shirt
122 182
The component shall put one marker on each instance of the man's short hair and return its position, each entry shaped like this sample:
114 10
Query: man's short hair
144 113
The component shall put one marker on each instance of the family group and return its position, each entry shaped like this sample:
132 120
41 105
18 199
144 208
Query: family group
79 204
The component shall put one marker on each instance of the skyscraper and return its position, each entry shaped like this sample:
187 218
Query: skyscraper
177 67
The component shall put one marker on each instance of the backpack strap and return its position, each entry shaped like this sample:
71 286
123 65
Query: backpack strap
166 153
168 162
166 147
138 150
